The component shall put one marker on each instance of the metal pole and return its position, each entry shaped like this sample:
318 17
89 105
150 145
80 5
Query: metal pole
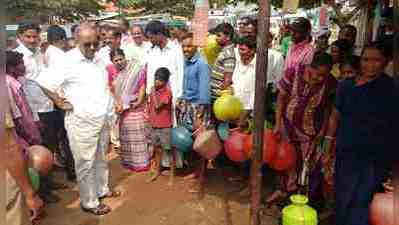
259 109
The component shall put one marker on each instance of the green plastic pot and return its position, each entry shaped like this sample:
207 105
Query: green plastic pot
299 213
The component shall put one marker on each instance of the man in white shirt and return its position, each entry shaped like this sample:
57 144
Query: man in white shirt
138 48
125 29
28 45
84 81
55 53
244 76
112 40
42 106
275 66
55 58
166 54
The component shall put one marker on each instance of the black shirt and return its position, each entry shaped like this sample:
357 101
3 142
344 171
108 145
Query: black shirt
368 119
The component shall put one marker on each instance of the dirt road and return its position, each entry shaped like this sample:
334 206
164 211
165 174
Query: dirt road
159 204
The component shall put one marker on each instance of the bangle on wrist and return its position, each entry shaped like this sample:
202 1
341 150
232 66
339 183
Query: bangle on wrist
329 137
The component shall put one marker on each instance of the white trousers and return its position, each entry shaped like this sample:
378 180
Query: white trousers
89 140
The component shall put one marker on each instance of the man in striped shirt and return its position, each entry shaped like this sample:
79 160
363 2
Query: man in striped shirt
301 51
222 70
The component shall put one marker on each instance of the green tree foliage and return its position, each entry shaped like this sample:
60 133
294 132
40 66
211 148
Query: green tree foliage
66 9
302 3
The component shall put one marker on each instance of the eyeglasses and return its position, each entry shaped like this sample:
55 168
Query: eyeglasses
91 44
137 34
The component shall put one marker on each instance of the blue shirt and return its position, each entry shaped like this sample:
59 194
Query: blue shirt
196 87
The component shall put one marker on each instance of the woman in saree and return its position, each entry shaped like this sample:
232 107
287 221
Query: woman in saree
303 109
129 92
367 119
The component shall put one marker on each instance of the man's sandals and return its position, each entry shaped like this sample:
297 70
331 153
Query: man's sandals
100 210
103 209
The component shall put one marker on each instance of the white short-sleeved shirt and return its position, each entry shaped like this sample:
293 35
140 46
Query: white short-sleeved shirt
275 66
34 63
54 56
137 52
171 57
84 83
244 77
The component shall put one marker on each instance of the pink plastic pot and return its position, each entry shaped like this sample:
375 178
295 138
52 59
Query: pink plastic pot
207 144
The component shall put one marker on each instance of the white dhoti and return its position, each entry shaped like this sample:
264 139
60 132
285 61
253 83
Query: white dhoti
89 140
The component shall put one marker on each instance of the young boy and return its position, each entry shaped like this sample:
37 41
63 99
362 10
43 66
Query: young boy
160 117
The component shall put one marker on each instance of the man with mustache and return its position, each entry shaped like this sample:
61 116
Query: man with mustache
84 81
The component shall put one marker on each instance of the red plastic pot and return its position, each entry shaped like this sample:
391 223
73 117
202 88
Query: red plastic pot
285 158
234 146
270 146
381 209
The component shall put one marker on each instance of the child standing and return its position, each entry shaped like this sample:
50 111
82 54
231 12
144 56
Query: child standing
160 117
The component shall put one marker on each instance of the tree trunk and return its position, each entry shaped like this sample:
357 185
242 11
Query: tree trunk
259 109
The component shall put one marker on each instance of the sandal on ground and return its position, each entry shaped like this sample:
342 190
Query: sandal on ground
100 210
111 194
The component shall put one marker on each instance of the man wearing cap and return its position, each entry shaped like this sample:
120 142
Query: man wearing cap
300 54
301 50
42 106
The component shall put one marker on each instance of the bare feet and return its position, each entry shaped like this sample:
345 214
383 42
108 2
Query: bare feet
153 177
165 173
191 176
245 192
193 191
276 196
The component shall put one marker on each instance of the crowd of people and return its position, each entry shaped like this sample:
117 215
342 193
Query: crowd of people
125 87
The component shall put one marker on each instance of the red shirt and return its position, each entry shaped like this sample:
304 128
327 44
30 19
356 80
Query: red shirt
163 117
